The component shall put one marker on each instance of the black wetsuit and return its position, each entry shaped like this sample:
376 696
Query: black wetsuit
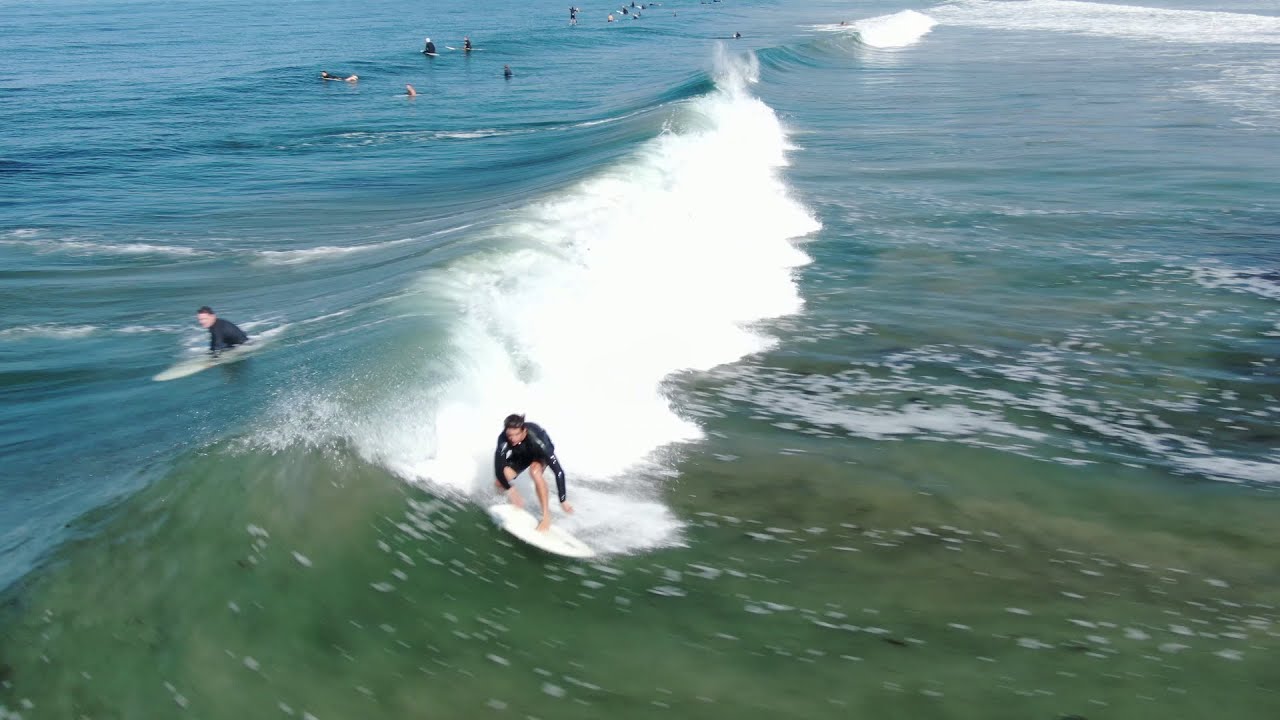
535 447
430 49
223 335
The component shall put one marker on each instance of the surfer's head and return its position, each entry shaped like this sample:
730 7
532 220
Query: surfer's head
514 427
206 316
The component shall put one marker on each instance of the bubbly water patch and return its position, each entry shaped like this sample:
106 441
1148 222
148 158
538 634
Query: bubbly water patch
1264 283
1250 87
1146 23
582 308
1040 402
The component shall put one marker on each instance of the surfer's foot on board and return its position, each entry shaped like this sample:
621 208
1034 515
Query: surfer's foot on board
545 525
567 508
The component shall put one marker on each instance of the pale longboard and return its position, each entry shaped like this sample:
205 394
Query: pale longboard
198 364
523 525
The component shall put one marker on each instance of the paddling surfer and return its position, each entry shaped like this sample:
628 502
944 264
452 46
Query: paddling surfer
524 445
223 334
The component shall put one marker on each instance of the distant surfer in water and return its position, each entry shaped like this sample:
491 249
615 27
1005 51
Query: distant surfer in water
327 76
526 445
429 48
223 334
506 72
466 44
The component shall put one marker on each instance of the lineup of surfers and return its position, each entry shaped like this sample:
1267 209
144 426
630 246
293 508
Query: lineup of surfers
429 49
522 445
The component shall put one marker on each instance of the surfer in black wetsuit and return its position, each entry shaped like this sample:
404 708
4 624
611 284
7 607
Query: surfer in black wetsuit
429 48
466 44
524 445
222 333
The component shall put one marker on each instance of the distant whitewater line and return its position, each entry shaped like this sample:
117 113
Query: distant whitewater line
908 27
1071 16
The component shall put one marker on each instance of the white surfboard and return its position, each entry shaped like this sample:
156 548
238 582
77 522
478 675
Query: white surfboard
204 362
523 525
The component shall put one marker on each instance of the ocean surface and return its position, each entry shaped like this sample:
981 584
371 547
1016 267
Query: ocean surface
907 360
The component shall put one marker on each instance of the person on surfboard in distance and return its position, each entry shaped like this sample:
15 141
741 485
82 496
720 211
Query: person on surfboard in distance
223 334
524 445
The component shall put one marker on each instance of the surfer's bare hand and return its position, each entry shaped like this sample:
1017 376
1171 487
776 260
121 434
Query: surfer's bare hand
567 508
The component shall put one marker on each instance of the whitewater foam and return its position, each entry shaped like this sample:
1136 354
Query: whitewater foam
1146 23
898 30
584 307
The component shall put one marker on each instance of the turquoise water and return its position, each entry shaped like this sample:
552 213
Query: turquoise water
923 366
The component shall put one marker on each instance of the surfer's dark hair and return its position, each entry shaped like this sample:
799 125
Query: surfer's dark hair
204 310
513 421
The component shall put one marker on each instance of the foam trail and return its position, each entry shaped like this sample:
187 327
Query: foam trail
1159 24
58 332
84 247
323 252
659 264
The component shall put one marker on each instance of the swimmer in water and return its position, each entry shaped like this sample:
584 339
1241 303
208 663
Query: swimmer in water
409 89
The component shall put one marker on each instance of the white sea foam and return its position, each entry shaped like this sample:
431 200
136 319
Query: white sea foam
323 252
659 264
53 331
1146 23
77 246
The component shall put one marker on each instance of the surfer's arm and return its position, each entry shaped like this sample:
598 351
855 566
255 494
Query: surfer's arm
543 441
500 461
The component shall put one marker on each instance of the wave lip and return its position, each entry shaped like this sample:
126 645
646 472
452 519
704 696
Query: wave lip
901 29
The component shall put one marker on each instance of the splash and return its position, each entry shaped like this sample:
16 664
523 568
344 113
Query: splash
588 302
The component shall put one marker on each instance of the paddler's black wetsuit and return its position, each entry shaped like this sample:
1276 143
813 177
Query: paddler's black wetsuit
224 334
535 447
430 49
